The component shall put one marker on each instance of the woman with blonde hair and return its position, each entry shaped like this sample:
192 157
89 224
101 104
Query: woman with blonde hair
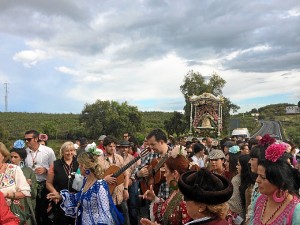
206 195
93 204
60 176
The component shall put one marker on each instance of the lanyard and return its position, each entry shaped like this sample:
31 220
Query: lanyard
33 158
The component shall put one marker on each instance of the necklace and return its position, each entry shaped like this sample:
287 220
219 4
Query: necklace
275 211
87 186
109 160
68 169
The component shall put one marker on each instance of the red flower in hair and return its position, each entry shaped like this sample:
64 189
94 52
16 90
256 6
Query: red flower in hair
267 140
275 151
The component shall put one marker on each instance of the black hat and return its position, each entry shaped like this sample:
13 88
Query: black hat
205 187
125 143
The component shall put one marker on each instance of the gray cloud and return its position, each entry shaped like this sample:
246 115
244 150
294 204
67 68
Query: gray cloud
142 30
92 46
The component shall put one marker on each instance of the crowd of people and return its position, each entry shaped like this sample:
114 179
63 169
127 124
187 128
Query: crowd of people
233 181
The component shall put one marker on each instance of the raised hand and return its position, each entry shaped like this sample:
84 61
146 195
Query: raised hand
149 194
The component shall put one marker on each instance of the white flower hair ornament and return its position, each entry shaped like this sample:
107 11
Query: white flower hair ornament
178 150
92 148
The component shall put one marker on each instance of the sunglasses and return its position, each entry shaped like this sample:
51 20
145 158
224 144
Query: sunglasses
28 139
211 160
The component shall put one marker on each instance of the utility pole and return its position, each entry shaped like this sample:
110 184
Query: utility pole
5 97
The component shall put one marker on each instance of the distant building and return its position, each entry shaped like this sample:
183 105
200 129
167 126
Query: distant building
292 109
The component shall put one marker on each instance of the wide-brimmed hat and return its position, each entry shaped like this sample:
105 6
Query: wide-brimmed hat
216 154
205 187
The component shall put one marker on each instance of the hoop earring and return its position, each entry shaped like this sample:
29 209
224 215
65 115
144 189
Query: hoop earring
22 164
87 172
173 185
280 193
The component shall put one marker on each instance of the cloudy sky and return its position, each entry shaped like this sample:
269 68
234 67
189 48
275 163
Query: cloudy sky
58 55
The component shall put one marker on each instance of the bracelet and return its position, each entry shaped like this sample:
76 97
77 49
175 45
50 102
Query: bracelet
126 189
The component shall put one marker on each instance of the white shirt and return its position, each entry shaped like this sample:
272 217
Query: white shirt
199 161
43 157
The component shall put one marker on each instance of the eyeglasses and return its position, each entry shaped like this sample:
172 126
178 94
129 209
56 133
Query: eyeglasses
28 139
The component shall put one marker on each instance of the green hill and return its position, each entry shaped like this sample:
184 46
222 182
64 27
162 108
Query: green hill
290 122
67 126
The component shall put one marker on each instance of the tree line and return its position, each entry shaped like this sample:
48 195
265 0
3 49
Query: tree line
112 117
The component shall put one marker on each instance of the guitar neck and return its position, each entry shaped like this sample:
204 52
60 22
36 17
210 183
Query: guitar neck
121 170
161 162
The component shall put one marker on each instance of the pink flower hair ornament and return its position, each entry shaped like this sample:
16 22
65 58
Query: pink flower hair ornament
275 151
266 140
43 137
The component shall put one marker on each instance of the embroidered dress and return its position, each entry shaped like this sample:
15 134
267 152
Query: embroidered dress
170 212
289 216
13 180
93 207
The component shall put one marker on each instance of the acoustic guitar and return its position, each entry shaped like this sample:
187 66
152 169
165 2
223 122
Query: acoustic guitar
118 172
155 176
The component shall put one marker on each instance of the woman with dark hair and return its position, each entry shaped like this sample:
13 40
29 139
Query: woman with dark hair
206 195
257 154
241 188
43 138
173 210
13 184
247 181
234 153
217 163
18 155
279 185
198 155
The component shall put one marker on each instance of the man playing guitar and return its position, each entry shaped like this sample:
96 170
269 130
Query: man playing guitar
120 194
157 140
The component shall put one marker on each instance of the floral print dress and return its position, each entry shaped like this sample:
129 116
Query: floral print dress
170 212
